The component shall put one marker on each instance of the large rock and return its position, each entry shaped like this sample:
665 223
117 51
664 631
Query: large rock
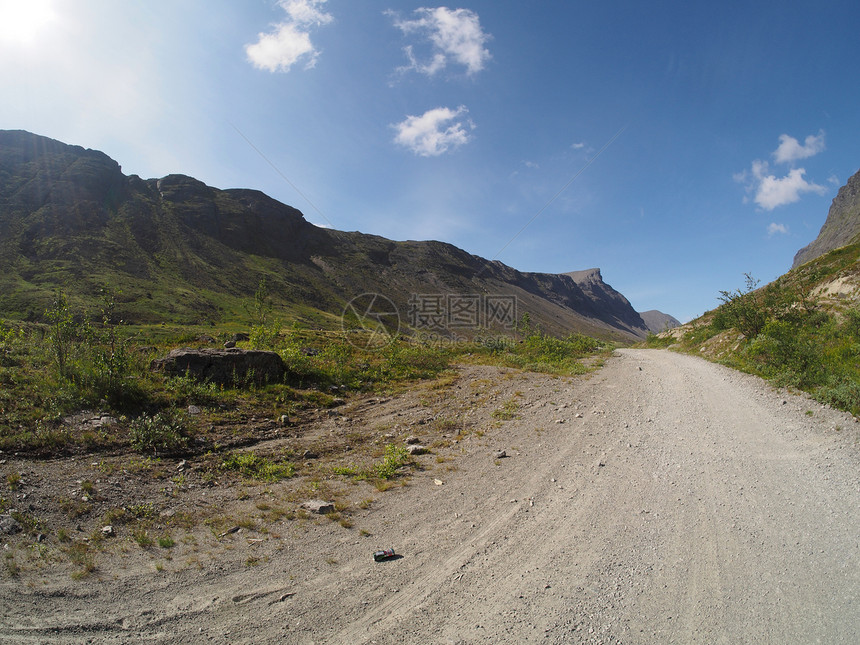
223 366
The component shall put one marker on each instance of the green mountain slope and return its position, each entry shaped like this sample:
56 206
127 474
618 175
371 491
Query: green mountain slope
181 251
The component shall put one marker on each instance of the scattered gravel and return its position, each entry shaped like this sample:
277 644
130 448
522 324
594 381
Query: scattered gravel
677 502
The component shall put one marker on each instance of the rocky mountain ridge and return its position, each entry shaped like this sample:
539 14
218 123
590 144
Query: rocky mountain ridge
842 226
183 251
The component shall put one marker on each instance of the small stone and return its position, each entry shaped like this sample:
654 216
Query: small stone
229 344
181 465
284 420
500 454
193 409
318 506
309 454
559 420
416 449
438 482
412 439
108 531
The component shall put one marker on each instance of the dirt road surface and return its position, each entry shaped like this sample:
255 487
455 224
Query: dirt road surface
662 499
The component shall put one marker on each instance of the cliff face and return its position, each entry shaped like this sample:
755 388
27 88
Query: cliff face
841 227
183 251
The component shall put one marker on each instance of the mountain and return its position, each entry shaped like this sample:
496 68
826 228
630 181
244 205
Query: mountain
657 321
178 250
842 226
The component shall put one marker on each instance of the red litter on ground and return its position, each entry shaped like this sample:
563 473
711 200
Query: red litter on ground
384 554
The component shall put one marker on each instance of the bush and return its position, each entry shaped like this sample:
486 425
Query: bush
844 395
164 431
743 309
395 457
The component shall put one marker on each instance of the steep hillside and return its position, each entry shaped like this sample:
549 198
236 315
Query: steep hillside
182 251
841 227
802 330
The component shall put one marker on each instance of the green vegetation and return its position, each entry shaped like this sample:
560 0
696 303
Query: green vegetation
540 352
79 361
255 467
788 331
164 431
394 457
507 412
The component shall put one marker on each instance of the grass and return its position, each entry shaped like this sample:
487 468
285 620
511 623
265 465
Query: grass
393 459
507 412
48 371
14 481
94 368
255 467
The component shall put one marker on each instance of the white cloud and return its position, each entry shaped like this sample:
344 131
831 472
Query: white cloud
435 131
790 150
279 50
769 191
455 35
578 146
772 191
773 228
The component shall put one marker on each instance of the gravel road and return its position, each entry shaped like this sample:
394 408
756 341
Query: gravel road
663 499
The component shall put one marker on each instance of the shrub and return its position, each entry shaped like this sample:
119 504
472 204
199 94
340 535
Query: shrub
165 431
395 457
63 331
743 309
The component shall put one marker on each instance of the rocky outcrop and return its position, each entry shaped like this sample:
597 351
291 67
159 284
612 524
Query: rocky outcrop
841 227
607 303
232 366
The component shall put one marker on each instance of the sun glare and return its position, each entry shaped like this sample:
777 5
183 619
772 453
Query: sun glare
21 21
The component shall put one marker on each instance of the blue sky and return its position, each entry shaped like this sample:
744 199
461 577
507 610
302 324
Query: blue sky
730 126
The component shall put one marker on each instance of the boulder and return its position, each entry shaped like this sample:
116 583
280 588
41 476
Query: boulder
231 366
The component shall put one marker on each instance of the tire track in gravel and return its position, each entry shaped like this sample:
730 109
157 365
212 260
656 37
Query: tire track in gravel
678 502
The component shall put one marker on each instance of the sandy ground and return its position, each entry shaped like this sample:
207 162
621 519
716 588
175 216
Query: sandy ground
663 499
